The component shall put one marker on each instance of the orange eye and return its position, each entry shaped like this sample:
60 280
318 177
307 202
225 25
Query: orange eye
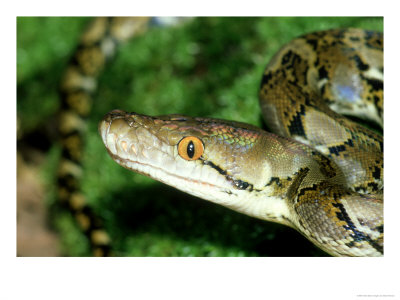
190 148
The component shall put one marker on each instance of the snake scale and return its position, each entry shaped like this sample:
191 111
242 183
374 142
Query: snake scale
319 172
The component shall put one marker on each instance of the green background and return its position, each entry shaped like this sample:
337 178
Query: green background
205 67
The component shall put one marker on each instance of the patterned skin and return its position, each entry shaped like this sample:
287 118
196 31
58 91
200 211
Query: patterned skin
313 79
96 47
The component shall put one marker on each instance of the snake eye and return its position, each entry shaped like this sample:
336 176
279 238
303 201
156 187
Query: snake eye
190 148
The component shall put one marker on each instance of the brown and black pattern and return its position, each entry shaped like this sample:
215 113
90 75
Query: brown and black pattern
304 87
97 46
300 86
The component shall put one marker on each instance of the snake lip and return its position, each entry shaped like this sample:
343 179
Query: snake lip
124 162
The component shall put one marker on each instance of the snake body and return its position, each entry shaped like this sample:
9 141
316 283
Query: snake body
319 172
97 46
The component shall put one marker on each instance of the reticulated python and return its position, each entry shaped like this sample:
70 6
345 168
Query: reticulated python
330 189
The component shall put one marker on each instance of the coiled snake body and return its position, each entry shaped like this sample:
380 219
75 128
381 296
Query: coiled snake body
321 174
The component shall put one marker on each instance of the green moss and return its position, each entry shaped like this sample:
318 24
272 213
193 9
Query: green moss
44 46
206 67
73 241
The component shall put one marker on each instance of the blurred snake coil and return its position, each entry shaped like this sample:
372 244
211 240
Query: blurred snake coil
318 172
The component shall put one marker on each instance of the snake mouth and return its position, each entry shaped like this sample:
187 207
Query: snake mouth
135 165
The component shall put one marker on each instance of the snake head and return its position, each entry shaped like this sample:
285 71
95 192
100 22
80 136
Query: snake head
209 158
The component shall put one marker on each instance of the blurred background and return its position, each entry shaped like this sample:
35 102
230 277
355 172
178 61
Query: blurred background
204 67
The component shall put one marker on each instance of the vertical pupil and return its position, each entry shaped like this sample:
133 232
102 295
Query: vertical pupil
190 149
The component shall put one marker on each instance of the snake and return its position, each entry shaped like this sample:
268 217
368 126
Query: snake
316 171
78 85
